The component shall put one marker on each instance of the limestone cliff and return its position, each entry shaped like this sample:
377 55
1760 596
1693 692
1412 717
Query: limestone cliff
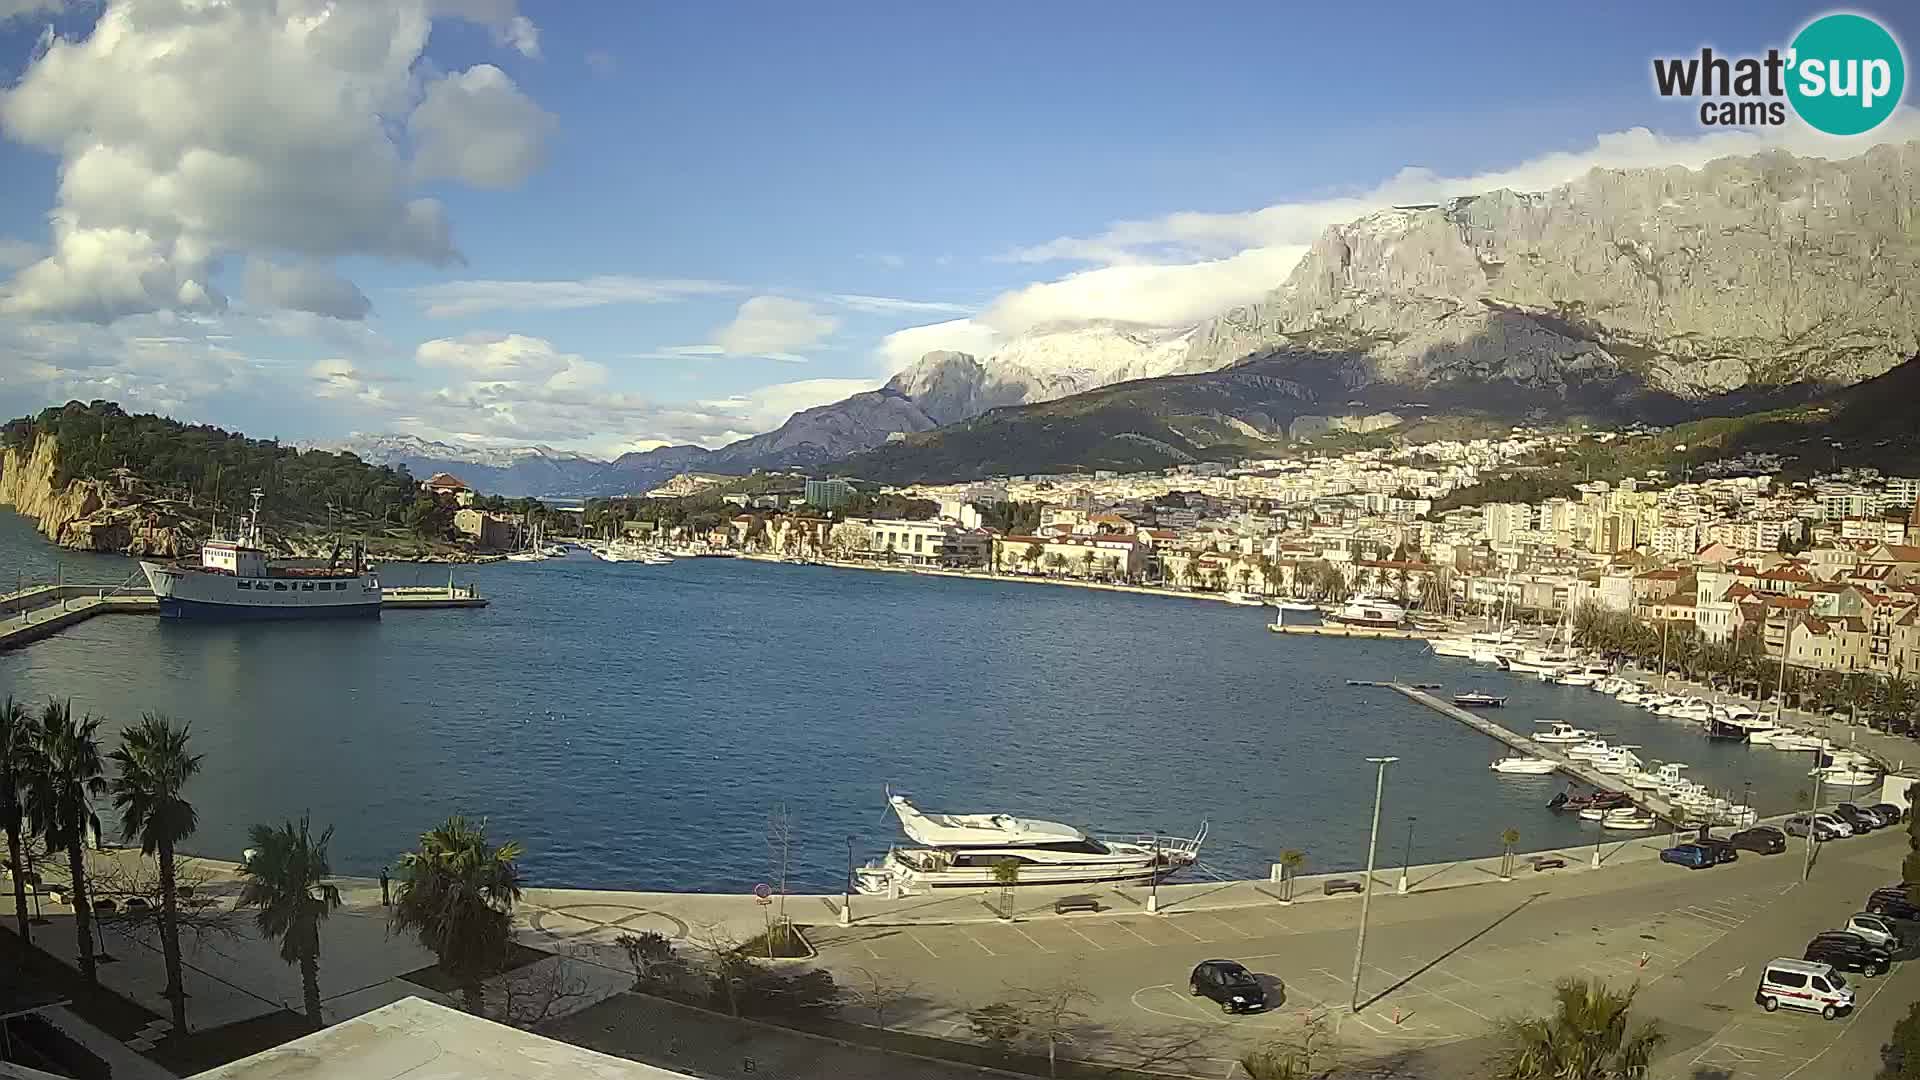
85 515
1761 270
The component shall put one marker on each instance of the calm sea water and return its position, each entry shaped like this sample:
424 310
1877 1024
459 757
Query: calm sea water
634 726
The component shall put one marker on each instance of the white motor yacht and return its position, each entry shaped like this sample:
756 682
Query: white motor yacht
1242 599
1620 761
1524 766
1848 775
1628 819
1591 749
962 851
1297 605
1667 778
1783 739
1369 611
1562 733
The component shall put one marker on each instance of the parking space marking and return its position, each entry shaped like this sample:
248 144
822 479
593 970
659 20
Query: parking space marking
1217 919
909 935
977 941
1030 937
1088 940
1122 925
1173 925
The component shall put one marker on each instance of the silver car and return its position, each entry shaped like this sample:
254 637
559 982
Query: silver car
1877 929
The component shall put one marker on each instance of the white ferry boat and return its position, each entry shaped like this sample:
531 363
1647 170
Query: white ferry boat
235 580
961 851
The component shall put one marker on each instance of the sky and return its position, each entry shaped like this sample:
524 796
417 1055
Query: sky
613 226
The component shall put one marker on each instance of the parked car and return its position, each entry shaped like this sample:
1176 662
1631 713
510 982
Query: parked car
1691 856
1761 839
1722 849
1228 984
1877 929
1892 901
1859 820
1798 984
1825 826
1895 815
1848 952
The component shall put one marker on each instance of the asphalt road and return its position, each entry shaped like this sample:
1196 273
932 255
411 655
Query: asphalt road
1440 967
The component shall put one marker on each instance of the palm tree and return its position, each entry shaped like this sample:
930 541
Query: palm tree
286 880
1586 1038
59 800
457 895
154 769
1006 874
18 735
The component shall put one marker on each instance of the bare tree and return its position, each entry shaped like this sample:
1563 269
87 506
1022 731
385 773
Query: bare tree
1309 1055
650 954
779 859
1052 1011
878 993
536 993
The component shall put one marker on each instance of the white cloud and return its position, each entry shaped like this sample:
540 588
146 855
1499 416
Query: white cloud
511 358
888 305
304 287
1187 266
775 326
1150 295
903 347
768 407
510 29
190 132
17 253
456 298
477 127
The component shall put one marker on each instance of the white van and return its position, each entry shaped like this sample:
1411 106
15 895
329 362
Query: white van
1803 984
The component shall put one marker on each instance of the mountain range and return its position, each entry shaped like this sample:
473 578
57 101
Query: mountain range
1650 294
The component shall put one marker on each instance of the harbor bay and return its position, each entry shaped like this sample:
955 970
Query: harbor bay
635 726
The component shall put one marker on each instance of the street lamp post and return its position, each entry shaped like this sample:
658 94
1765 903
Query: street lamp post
1153 883
1366 897
1813 813
846 888
1406 858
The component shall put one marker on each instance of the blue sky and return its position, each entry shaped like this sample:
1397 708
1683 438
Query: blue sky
678 222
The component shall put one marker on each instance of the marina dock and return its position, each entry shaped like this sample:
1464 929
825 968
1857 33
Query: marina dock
32 614
1578 770
1341 630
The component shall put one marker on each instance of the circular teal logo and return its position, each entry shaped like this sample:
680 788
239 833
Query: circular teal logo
1847 74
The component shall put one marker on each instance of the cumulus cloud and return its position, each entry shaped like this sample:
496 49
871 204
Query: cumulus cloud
455 298
511 358
190 132
775 326
304 287
510 28
903 347
1185 266
476 127
768 407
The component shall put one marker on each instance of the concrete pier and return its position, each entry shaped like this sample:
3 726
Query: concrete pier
32 614
1578 770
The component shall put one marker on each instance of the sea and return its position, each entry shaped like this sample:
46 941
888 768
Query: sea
665 727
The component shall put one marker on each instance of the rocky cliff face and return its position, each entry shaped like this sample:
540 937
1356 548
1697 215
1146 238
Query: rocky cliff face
84 515
1763 270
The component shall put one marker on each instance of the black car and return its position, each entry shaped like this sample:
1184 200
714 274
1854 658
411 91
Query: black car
1893 901
1723 850
1848 952
1892 813
1228 984
1761 839
1861 821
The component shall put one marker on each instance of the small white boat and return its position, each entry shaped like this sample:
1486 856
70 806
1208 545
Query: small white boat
1797 740
1592 748
1474 699
1300 606
1241 599
1846 775
1524 766
1593 813
1562 733
527 556
1628 819
1620 761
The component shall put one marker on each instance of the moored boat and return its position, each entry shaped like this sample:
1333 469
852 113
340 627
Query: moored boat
963 850
1241 599
1474 699
1369 611
237 580
1524 766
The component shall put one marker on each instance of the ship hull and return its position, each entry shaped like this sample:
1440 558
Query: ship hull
203 611
185 593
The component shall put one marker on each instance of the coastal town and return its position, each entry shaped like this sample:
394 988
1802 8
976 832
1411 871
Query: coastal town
1826 568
